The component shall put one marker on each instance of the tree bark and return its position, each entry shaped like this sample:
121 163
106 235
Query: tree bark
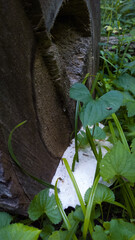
45 47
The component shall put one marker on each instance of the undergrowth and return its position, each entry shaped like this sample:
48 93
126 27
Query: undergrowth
105 213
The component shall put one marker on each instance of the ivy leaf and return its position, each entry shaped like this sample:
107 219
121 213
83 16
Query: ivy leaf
19 231
97 110
80 93
118 162
5 219
103 194
44 204
127 82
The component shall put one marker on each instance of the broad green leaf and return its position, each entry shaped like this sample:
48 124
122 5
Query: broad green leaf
127 97
127 82
58 235
5 219
99 234
120 230
118 162
133 145
129 102
78 214
19 231
103 194
44 204
97 110
80 93
131 108
114 230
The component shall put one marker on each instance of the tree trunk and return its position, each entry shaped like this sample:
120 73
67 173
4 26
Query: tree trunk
45 47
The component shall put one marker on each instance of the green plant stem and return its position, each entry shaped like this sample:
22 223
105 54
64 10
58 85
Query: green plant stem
122 136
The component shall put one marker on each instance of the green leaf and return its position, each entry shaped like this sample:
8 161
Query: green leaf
99 234
19 231
118 162
82 139
78 214
58 235
103 194
114 230
98 134
127 82
133 145
129 102
97 110
131 108
121 230
80 93
127 97
47 231
5 219
71 220
44 204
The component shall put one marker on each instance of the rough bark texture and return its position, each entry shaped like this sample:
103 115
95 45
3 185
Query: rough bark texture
45 47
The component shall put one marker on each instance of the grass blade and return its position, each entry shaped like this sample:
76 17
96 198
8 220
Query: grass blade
89 207
62 212
91 142
112 132
10 149
76 158
122 135
75 185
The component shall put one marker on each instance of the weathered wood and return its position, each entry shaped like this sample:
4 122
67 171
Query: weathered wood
45 47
